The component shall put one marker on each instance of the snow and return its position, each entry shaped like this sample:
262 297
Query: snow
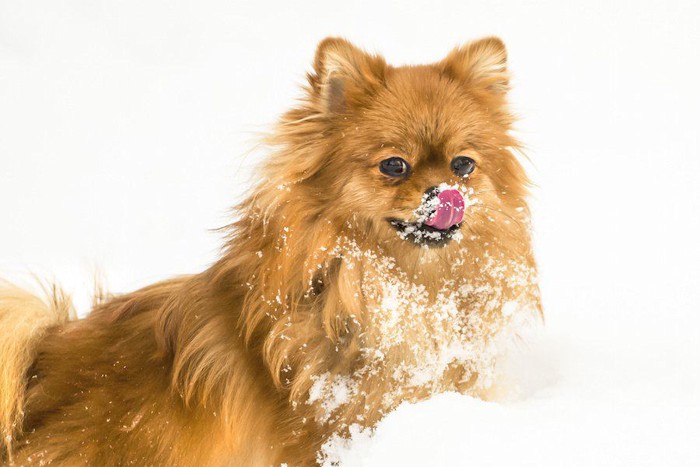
332 394
611 378
564 406
451 429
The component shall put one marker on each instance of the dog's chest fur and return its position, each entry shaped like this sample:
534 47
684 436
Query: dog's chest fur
383 336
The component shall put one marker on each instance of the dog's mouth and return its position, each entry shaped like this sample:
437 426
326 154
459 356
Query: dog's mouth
422 234
438 218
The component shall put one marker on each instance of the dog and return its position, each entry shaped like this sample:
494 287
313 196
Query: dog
383 253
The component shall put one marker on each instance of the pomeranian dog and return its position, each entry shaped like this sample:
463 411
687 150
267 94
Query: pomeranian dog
379 260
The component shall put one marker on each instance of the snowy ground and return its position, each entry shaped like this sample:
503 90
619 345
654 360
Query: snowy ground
124 131
575 404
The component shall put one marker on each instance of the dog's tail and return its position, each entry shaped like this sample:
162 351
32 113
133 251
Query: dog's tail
24 318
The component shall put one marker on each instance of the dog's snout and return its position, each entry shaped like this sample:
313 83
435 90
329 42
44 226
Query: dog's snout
431 192
444 207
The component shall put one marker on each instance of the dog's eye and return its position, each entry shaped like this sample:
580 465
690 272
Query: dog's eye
394 167
463 165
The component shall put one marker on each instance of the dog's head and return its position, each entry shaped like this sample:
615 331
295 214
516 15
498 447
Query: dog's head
386 179
415 158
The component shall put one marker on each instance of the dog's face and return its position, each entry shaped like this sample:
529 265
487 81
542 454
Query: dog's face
416 157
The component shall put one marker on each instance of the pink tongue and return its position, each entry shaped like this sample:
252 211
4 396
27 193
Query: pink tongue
450 210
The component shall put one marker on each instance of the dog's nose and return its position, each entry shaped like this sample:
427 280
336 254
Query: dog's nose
446 207
431 192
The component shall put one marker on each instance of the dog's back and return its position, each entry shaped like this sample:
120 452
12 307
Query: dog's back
101 390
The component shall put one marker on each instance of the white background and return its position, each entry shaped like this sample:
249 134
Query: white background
128 128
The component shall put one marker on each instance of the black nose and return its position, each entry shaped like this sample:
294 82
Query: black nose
431 192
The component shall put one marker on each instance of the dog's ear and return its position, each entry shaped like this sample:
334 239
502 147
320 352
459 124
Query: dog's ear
480 64
344 76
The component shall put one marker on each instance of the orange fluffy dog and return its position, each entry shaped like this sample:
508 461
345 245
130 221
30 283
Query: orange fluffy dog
378 261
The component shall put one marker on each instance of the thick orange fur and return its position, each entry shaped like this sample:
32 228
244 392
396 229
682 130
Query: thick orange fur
318 315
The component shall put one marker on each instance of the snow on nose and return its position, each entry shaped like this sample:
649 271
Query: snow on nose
449 210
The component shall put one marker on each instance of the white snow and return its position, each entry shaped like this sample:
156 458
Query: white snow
332 394
566 404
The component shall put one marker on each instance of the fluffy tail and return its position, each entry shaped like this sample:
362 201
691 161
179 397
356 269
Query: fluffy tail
24 317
